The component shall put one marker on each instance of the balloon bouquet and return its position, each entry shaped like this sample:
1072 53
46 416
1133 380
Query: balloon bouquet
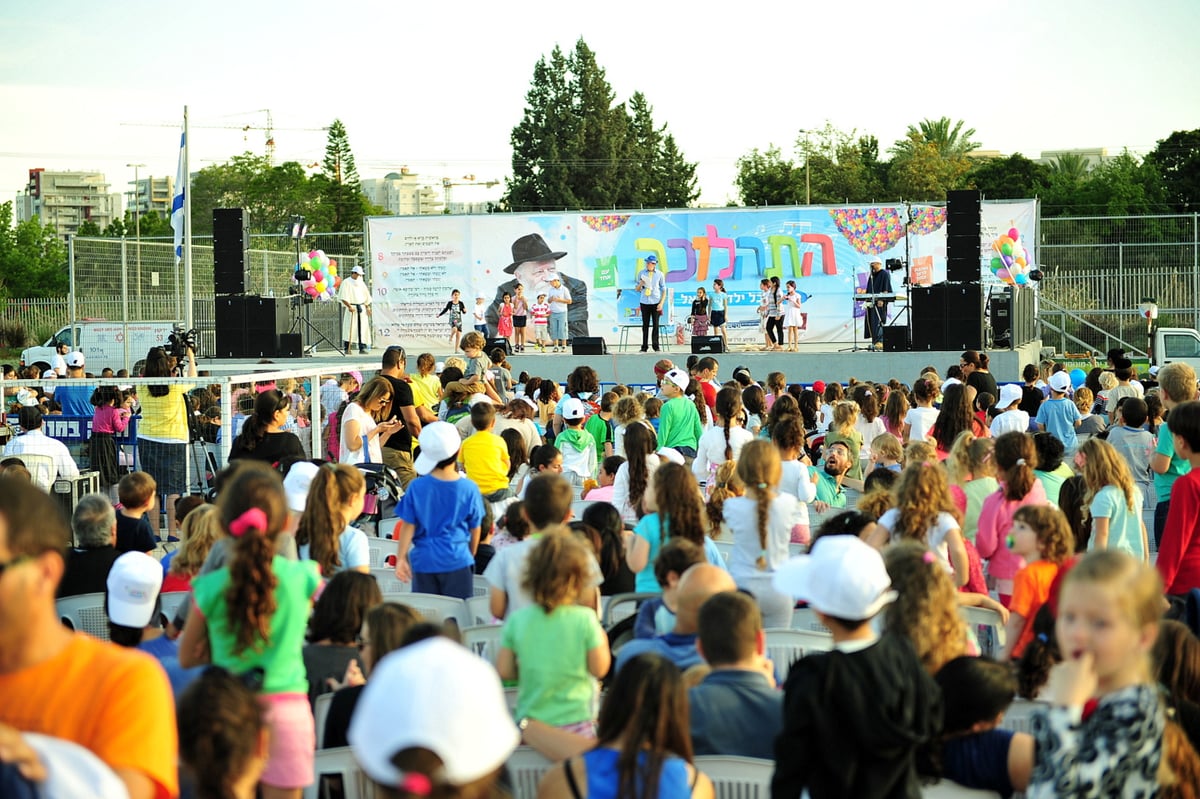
1010 259
322 282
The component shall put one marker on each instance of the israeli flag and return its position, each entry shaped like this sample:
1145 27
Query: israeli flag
178 200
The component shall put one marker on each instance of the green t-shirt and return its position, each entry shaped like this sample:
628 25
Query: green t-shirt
281 657
554 684
601 431
679 424
1053 481
1177 468
976 491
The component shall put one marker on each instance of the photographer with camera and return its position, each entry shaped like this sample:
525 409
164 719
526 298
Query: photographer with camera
878 282
164 432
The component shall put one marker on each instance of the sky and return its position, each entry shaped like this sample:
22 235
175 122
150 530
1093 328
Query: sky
438 87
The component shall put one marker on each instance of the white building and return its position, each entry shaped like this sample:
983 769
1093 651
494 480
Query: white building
403 193
1092 156
151 195
65 200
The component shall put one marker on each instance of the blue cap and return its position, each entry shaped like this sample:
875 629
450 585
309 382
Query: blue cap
651 259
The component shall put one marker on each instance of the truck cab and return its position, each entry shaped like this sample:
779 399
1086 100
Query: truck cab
1172 344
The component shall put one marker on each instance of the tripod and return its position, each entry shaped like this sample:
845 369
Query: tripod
854 300
302 321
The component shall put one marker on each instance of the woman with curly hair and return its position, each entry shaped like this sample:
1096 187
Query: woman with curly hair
926 610
223 734
925 513
252 614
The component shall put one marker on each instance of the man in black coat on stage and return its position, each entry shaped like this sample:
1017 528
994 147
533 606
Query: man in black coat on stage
878 282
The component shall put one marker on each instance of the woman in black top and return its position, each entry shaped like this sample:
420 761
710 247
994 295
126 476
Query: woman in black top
976 365
263 438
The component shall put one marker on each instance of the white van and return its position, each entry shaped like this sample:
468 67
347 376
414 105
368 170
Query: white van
104 343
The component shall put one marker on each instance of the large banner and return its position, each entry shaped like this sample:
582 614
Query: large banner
417 261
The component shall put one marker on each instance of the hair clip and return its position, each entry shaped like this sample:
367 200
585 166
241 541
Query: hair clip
928 556
762 486
1020 461
251 520
416 783
1045 639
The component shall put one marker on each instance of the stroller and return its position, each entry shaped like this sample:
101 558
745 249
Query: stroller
383 492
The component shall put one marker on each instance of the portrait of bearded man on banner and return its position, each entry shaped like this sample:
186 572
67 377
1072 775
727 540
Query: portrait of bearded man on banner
534 266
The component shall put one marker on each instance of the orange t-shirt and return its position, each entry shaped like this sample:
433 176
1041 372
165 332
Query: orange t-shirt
1031 589
113 701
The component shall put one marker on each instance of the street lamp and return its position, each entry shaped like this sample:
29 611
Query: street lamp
137 225
807 182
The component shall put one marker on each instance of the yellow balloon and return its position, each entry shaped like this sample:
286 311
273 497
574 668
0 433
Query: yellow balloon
320 287
1020 262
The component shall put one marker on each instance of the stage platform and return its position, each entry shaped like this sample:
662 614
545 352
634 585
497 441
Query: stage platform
821 361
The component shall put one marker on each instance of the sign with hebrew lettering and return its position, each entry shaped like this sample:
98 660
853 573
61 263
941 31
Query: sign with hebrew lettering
417 261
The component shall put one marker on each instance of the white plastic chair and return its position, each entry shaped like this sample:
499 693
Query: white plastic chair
579 506
806 619
42 469
985 617
480 610
737 777
628 606
725 548
786 646
480 586
526 767
171 601
380 549
1019 716
85 613
389 583
339 762
949 789
434 607
483 640
320 714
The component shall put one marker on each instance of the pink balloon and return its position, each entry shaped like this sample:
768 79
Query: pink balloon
1004 275
1013 234
311 291
318 276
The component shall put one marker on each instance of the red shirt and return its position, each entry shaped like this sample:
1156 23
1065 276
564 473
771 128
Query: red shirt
1179 552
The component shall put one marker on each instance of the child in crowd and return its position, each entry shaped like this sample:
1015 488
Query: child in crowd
675 509
253 613
797 478
755 403
926 608
1042 537
868 424
110 417
920 418
223 735
626 411
724 440
878 682
843 431
1179 555
504 320
776 386
480 314
600 425
134 531
680 425
512 526
1010 419
578 448
554 649
1177 384
503 381
476 372
972 474
520 319
484 455
543 459
1113 502
608 475
1051 471
1041 652
1016 459
761 523
1108 616
1058 414
985 404
325 535
886 453
440 515
457 310
540 311
726 484
653 407
925 513
1135 445
1090 424
518 460
657 616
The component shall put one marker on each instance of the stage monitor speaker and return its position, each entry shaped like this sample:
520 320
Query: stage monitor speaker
498 342
290 346
895 339
588 345
964 316
963 270
707 345
1000 314
231 239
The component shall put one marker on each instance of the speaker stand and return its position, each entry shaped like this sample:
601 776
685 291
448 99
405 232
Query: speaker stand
302 321
854 324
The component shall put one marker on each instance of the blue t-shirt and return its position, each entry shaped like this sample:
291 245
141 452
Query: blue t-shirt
75 399
603 777
717 300
1124 525
979 761
443 512
651 529
1058 416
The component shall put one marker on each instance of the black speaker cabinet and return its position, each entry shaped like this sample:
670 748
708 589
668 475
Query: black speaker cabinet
231 239
588 345
248 327
895 339
289 345
947 317
498 343
707 345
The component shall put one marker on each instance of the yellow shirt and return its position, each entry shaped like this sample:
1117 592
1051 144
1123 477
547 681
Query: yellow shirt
426 390
485 458
164 418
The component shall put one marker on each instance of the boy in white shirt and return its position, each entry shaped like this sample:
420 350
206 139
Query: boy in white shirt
1010 418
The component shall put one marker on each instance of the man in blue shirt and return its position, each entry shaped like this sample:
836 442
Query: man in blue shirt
736 709
652 290
697 585
75 397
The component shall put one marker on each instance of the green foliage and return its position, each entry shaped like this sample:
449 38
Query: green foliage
1012 178
575 148
1177 159
33 259
844 167
148 226
13 335
338 185
767 178
87 228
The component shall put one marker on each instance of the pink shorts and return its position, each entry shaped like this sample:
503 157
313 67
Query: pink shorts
293 740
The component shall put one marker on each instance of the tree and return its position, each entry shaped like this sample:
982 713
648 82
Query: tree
338 185
767 178
33 259
948 138
931 159
1012 178
1177 159
270 194
87 228
843 167
576 148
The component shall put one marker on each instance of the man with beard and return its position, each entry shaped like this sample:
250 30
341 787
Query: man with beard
830 493
534 267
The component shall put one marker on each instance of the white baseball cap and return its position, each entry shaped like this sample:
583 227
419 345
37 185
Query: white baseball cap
75 360
296 484
1009 393
434 695
358 270
1060 382
842 577
573 408
679 378
874 259
133 585
439 440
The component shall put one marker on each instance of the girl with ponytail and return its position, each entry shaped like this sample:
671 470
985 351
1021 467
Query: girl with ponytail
1016 458
724 440
633 477
761 523
335 499
251 617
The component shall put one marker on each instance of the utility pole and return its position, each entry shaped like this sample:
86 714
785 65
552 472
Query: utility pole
137 225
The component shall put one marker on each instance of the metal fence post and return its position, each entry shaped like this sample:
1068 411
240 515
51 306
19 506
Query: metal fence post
1195 270
125 301
71 270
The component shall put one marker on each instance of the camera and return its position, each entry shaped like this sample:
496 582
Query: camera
181 340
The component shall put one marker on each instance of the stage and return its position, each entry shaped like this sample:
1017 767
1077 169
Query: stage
817 361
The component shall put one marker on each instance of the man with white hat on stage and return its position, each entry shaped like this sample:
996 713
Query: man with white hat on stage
356 321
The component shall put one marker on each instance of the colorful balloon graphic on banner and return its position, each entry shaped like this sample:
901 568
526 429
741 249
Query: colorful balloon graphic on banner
1010 260
322 282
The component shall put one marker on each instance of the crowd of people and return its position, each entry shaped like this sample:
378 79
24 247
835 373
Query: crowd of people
1065 507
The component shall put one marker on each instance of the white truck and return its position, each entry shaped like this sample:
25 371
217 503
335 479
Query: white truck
117 345
1171 344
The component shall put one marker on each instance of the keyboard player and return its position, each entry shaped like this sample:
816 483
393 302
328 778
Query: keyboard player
878 282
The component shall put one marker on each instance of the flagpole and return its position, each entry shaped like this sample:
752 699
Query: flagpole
189 319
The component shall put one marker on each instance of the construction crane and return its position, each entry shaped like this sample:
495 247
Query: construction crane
467 180
269 129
